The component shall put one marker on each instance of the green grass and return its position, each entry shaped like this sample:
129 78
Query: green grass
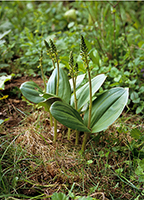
33 168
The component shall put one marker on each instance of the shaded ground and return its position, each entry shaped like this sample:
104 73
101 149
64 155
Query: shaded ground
45 168
14 107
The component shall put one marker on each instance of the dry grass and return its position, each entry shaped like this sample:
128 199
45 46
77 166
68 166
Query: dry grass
62 164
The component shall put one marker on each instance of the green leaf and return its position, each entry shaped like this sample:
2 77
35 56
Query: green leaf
68 116
114 72
49 100
85 198
135 133
79 80
4 34
94 55
3 79
141 163
1 120
70 14
141 90
32 92
135 97
81 66
107 108
59 196
139 109
82 94
64 91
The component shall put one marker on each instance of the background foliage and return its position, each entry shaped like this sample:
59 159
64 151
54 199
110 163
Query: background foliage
114 31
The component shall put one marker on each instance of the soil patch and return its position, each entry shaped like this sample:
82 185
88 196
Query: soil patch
14 108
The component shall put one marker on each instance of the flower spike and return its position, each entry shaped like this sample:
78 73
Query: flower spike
53 47
83 47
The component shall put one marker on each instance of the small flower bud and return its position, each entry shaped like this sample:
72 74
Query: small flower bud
83 47
71 60
47 45
76 67
53 47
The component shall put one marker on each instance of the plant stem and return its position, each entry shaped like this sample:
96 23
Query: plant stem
86 135
69 131
75 100
55 121
101 49
43 77
51 120
55 130
53 63
90 108
114 32
74 90
57 75
90 93
77 137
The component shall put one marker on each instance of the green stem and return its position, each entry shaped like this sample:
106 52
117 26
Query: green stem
74 90
90 108
53 63
86 135
57 75
75 100
51 120
43 77
90 105
55 130
69 131
77 138
55 121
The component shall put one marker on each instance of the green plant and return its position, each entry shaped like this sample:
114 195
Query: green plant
57 86
116 35
101 113
104 111
3 79
62 196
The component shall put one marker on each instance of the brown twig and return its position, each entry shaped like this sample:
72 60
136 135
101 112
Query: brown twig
97 193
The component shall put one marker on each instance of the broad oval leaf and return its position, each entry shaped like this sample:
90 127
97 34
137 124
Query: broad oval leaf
64 91
79 80
49 100
32 91
68 116
107 108
82 94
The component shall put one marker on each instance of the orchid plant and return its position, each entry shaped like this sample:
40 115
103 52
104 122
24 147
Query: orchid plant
66 102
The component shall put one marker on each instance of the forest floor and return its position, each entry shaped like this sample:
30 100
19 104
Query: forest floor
14 107
44 168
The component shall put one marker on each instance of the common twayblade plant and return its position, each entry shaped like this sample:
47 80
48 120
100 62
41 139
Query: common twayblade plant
73 73
101 112
84 54
57 88
54 56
